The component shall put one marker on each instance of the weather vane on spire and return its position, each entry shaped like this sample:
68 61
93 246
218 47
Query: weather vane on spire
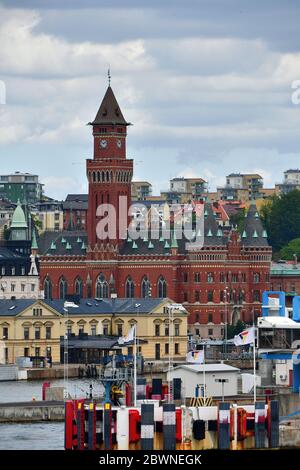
108 75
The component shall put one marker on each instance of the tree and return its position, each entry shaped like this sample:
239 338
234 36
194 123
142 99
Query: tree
281 218
291 249
233 330
238 219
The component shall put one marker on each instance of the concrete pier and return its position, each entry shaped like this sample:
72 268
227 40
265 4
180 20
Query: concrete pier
29 412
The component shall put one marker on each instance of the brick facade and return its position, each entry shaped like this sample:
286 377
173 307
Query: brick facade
197 279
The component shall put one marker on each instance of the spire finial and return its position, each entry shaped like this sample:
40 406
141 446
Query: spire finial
108 75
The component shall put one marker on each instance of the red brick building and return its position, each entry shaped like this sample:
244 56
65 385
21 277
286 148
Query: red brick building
78 262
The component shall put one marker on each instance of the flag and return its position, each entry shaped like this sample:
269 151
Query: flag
245 337
195 357
130 336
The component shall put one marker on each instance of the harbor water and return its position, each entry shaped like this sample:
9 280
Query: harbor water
38 436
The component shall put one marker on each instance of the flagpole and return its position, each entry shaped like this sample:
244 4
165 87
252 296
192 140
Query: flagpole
134 367
204 384
254 368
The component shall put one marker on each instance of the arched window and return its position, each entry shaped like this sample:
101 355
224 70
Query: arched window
129 288
79 287
161 288
48 288
210 296
63 288
102 288
145 287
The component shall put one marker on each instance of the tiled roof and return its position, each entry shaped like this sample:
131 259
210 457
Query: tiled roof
109 111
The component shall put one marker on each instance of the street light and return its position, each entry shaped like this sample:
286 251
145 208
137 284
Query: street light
222 381
137 306
67 305
226 291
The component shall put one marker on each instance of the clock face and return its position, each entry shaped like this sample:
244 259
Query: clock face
103 143
119 143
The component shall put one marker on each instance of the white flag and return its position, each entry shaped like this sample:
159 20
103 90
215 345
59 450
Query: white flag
130 336
245 337
195 357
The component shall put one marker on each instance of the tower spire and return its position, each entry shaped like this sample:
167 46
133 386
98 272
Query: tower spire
108 75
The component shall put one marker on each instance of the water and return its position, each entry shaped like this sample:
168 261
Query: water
32 436
38 436
15 391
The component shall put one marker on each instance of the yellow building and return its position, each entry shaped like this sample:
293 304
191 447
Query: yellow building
34 328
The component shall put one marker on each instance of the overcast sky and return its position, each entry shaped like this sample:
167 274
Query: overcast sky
207 85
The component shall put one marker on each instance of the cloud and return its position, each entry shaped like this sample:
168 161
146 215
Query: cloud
208 93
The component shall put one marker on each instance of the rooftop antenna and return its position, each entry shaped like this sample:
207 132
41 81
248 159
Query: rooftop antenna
108 75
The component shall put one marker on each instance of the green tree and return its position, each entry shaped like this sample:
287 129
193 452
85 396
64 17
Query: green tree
233 330
238 219
281 218
291 249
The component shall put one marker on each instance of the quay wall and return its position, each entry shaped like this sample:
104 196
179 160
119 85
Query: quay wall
32 412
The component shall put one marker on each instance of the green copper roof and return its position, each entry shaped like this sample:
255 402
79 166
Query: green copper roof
255 234
83 246
79 240
244 234
174 243
209 233
264 234
219 233
166 244
53 246
34 245
134 245
18 218
63 240
150 244
68 246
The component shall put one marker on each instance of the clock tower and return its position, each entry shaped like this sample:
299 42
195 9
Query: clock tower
109 174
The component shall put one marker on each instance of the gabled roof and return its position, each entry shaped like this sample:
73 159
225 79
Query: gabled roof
14 307
109 111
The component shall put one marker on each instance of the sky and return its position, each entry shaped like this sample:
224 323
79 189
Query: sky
207 85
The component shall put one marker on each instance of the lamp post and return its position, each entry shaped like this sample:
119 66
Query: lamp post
225 300
137 306
170 310
67 305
